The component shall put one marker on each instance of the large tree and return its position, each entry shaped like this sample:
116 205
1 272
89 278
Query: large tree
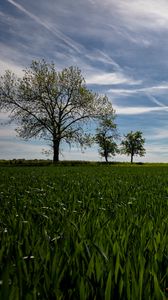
50 104
133 144
106 134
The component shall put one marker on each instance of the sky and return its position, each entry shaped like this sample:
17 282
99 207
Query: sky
121 47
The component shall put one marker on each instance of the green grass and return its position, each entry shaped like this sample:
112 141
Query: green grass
84 232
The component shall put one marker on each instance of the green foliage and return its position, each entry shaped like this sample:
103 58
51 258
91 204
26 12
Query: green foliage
51 105
93 232
106 136
132 144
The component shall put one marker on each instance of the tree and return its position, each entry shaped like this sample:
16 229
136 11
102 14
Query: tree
105 136
132 144
51 105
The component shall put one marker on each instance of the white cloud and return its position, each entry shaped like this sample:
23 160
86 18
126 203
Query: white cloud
16 149
156 89
122 110
9 65
159 89
110 78
78 155
7 132
156 148
3 117
141 13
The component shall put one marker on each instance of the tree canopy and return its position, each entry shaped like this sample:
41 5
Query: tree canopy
132 144
106 134
50 104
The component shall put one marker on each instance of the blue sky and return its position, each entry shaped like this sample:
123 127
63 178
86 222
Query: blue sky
120 46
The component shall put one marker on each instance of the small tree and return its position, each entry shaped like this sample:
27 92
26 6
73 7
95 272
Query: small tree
132 144
105 136
51 105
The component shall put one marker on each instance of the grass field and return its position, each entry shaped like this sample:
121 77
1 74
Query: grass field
84 232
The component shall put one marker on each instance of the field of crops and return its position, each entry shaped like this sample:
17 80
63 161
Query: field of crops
84 232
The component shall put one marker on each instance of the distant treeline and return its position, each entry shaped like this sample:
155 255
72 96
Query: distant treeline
48 162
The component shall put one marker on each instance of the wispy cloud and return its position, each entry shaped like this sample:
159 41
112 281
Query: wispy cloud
111 79
159 134
7 132
103 57
137 110
148 90
154 100
18 149
150 14
9 65
3 117
75 46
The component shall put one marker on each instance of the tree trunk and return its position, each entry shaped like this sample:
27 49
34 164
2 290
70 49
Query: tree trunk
106 155
56 145
132 158
106 158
